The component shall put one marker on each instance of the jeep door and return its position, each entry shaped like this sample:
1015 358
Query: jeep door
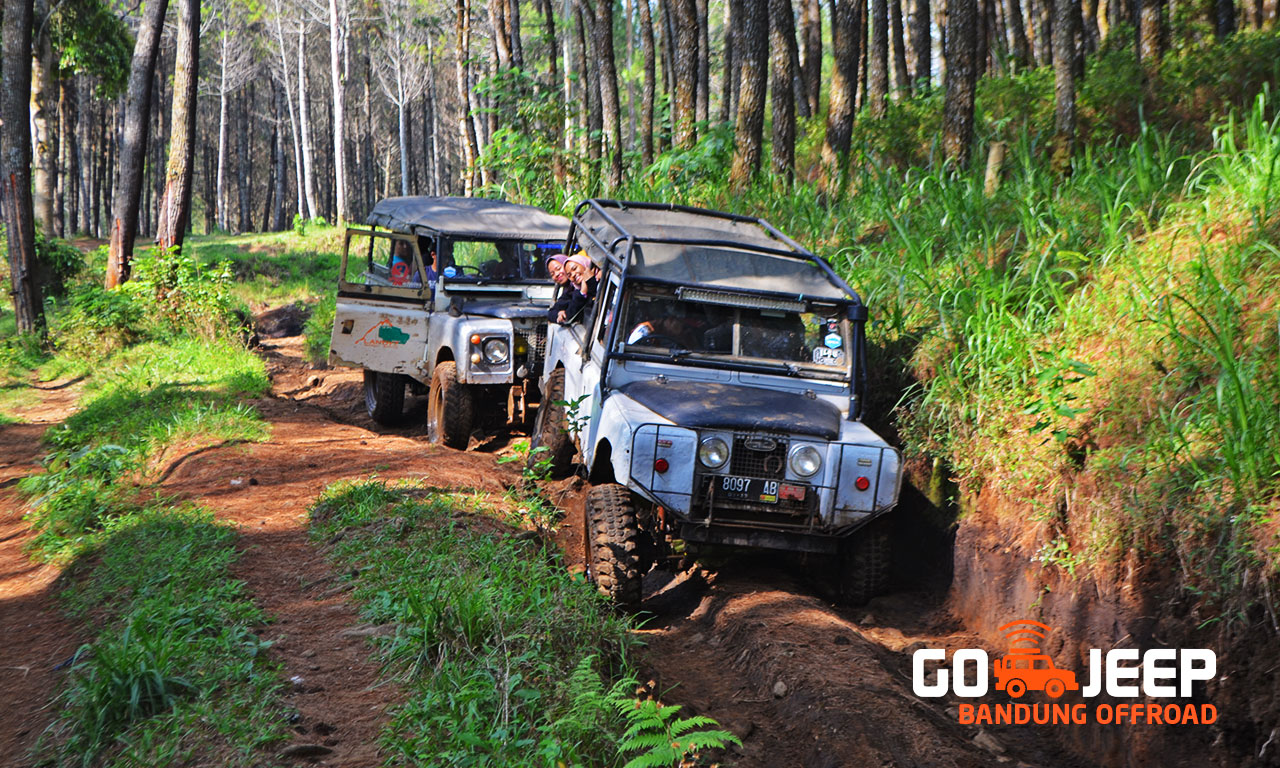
381 317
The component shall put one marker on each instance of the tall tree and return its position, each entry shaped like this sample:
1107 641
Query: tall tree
922 44
961 79
1151 31
602 40
878 67
304 126
1021 57
902 78
175 210
845 45
1042 17
337 37
748 134
811 52
1224 18
470 151
703 109
684 106
1065 18
647 90
782 45
15 165
133 143
44 87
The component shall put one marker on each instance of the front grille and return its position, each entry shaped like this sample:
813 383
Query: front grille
535 340
786 513
758 456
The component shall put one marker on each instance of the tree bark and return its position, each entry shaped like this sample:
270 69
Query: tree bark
133 144
647 90
1151 31
277 149
878 72
44 84
1043 17
684 104
15 166
845 45
1066 15
750 126
811 53
782 43
961 80
921 45
902 78
304 125
465 127
609 111
337 31
732 62
244 219
703 104
175 210
1018 31
1224 18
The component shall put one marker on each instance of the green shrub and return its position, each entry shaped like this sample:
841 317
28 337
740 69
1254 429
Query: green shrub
318 329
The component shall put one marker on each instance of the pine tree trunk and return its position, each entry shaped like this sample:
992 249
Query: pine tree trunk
732 62
1224 18
647 92
703 108
44 79
244 220
845 46
782 44
921 45
609 109
1151 31
902 79
811 53
878 73
465 127
752 91
1066 15
277 149
1043 17
175 210
133 144
961 80
15 167
683 107
1018 31
221 197
337 31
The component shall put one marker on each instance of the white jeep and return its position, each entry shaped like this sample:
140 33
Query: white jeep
451 295
714 395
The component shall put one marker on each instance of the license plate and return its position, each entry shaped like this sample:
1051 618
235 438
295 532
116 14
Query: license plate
748 489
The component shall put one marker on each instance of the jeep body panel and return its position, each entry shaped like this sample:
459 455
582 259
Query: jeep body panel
380 336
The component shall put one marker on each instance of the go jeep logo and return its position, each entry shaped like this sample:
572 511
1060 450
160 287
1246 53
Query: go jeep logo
1164 673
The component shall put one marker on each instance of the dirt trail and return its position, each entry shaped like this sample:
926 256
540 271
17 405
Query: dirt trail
34 637
801 682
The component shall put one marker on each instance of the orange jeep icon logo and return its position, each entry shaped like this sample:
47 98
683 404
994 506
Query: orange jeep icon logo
1025 667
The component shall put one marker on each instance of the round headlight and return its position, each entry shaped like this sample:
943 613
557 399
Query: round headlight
713 452
805 460
495 351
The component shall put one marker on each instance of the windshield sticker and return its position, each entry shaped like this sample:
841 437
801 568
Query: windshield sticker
387 335
833 341
824 356
450 271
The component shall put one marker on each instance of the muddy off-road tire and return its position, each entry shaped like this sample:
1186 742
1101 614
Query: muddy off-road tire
864 563
550 429
614 543
384 397
449 408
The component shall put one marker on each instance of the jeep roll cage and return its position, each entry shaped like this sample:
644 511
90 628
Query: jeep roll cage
710 229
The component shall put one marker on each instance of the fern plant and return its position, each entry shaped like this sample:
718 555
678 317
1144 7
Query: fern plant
661 739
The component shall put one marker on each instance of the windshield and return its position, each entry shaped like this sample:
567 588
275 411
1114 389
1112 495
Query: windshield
496 260
657 322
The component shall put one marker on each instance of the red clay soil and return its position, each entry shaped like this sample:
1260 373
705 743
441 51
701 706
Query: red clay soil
34 637
266 488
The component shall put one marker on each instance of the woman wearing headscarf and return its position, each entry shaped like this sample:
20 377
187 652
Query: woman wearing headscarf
582 273
564 288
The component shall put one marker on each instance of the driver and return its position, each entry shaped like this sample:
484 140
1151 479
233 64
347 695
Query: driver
671 327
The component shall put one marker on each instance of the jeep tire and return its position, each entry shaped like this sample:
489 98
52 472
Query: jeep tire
449 408
550 429
864 563
613 544
384 397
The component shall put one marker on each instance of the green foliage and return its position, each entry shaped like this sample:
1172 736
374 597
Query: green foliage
182 296
318 328
507 660
96 322
59 261
91 39
176 668
663 740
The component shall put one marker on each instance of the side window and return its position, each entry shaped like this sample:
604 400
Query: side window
604 310
375 262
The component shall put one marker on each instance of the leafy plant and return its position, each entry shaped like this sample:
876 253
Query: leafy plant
662 739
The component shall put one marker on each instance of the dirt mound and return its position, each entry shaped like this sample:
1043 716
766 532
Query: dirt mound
281 322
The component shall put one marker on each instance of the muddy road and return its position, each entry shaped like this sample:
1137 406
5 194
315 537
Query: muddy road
802 682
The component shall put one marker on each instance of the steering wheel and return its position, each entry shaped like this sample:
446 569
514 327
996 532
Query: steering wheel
660 340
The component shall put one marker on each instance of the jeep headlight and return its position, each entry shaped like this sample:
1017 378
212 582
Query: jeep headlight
805 460
496 351
713 452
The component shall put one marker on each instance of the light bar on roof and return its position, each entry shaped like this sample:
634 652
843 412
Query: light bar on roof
738 300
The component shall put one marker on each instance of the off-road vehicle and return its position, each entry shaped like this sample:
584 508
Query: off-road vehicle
447 296
714 394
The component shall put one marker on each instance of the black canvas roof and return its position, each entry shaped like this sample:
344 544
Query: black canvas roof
464 217
719 250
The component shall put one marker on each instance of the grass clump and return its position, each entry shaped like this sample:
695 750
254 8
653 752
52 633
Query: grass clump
277 267
176 672
507 660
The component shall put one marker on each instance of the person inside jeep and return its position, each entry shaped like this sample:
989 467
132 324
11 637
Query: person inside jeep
564 288
401 269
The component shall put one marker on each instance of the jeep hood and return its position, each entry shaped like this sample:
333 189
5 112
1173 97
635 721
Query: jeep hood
505 310
710 405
